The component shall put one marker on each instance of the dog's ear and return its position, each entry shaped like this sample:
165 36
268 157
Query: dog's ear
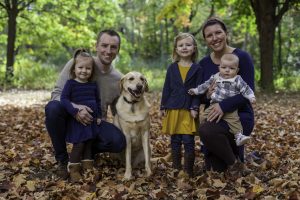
146 85
121 83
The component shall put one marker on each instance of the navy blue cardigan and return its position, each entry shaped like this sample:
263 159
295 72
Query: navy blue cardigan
174 94
239 102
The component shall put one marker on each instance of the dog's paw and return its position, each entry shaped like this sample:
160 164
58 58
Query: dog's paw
148 172
127 176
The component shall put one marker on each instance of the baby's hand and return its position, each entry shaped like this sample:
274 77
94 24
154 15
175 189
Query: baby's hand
98 121
192 91
253 101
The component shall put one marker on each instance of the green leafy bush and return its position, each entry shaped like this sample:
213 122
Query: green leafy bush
30 75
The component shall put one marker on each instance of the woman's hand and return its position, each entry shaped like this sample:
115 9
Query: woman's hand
211 89
215 113
194 113
98 121
83 116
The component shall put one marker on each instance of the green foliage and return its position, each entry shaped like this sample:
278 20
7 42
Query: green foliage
290 83
49 31
31 75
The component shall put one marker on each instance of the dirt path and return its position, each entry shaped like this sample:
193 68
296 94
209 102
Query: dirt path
24 98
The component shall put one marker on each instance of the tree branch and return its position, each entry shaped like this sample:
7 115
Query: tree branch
2 5
281 12
26 5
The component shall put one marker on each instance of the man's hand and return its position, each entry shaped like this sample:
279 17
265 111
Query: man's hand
83 116
215 113
194 113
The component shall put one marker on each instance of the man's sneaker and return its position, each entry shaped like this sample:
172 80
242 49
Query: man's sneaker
241 139
62 170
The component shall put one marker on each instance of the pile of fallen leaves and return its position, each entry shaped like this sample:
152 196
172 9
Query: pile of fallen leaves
27 164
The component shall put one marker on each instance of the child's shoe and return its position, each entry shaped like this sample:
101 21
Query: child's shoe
75 172
241 139
87 164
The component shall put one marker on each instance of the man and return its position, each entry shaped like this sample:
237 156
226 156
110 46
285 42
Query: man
111 139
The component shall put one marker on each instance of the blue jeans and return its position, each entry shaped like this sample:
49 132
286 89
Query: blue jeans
109 137
187 140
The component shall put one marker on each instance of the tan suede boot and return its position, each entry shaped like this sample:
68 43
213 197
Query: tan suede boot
87 164
75 172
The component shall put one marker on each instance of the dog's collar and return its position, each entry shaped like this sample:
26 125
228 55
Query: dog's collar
129 102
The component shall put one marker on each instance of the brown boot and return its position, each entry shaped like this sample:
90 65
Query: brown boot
87 164
75 172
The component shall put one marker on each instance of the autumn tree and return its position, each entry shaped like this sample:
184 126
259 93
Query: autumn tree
268 14
13 9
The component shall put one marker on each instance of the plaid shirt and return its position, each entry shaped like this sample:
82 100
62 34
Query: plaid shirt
226 88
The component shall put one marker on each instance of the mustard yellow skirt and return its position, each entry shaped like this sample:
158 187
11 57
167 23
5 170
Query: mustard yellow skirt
179 122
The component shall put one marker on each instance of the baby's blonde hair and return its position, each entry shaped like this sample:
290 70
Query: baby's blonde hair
181 36
230 57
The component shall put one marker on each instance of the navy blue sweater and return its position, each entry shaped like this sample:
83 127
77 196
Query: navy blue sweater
174 94
236 102
83 94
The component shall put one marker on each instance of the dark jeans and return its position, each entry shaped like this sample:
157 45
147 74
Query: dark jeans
188 142
109 137
220 149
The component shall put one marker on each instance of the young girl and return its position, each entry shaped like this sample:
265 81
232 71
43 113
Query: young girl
179 109
82 91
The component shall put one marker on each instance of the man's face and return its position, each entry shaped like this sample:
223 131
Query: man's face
107 48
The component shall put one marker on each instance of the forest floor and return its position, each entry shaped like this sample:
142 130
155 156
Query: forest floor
27 163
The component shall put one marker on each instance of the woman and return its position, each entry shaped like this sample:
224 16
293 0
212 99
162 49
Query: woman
220 149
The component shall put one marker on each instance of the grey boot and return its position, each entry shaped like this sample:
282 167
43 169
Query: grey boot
176 157
87 164
75 172
189 159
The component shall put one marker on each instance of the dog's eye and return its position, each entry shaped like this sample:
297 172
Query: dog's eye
142 79
131 79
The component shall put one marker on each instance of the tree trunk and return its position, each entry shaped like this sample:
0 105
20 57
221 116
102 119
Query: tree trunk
266 44
11 38
267 20
265 12
279 49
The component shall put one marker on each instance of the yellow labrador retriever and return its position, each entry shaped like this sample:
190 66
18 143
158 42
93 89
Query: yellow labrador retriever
132 118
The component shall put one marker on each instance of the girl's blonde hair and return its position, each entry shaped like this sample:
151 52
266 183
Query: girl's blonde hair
181 36
81 52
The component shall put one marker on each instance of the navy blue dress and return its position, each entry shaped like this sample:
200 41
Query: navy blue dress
84 94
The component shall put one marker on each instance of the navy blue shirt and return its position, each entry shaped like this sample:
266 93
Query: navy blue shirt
238 102
83 94
175 91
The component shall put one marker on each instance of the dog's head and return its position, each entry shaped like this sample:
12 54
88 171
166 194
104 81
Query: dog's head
135 84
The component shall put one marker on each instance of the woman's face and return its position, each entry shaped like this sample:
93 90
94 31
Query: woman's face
215 37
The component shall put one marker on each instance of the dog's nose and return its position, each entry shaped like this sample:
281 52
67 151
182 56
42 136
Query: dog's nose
139 87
